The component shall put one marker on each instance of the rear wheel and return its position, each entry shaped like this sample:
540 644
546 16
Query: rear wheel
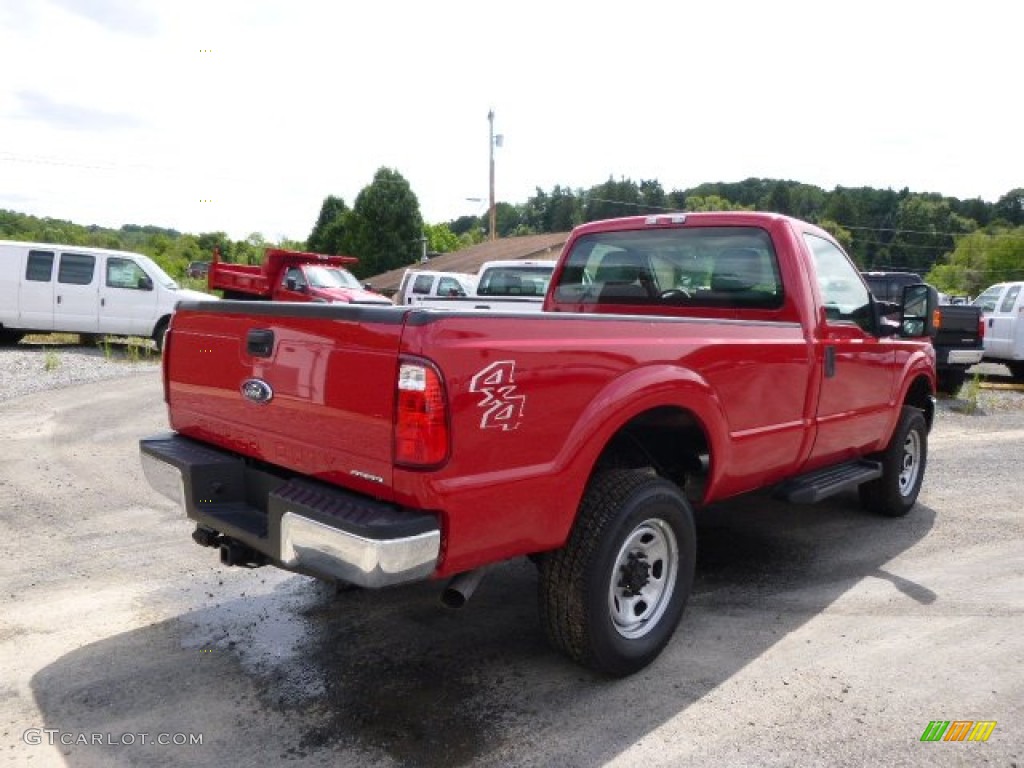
10 337
1016 368
611 598
903 465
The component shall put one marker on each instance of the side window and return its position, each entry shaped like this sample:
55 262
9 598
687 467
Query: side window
294 273
843 293
449 286
1010 299
76 269
422 284
988 300
125 273
40 266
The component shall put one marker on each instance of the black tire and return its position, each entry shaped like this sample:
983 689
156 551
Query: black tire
903 465
1016 369
950 380
611 598
158 333
10 338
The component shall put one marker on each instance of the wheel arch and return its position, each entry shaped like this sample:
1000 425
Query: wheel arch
664 417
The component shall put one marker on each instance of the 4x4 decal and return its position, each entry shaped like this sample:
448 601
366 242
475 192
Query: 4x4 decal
503 407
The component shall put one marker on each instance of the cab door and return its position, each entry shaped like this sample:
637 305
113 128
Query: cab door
127 298
857 367
36 299
1001 322
76 294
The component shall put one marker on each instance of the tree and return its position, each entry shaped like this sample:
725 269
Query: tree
332 210
440 239
979 260
384 228
1010 207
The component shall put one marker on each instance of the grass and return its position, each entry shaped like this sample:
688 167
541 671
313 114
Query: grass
970 393
127 349
52 360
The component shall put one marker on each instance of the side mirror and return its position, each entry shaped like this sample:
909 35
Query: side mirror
290 284
145 283
918 311
367 287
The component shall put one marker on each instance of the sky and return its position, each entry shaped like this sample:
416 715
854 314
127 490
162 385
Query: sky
243 115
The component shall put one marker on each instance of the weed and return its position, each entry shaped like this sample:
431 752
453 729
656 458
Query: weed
51 361
971 391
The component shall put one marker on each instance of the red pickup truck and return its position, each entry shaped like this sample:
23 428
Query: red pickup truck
291 276
680 359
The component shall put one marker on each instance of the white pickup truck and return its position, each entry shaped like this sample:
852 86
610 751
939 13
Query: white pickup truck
420 286
515 285
1003 308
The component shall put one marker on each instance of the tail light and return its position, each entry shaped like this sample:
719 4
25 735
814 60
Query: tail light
936 318
981 327
421 416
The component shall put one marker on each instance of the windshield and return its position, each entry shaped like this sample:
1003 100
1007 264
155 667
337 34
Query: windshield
331 277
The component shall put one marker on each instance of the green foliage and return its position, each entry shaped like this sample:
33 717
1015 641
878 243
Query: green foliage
711 203
979 260
328 232
440 239
384 228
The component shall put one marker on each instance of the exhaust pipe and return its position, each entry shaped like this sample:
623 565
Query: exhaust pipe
461 587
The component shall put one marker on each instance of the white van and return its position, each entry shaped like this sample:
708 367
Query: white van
1003 307
73 289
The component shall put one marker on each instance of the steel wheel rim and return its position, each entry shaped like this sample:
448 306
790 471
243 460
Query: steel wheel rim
911 463
635 610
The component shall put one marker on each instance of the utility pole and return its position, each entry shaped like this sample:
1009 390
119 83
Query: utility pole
490 143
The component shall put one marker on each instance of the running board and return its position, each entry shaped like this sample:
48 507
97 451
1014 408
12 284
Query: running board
822 483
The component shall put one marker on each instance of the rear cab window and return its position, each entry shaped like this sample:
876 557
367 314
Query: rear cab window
701 267
1009 299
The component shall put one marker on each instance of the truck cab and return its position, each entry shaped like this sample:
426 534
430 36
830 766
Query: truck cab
325 284
420 285
1003 308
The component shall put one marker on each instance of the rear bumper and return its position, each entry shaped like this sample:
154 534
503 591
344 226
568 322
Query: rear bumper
963 357
297 524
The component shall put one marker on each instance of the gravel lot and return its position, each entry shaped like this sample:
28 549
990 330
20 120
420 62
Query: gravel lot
39 366
815 635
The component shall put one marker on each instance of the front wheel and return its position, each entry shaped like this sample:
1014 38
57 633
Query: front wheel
611 598
903 465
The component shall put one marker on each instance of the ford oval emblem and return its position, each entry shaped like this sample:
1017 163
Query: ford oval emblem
257 390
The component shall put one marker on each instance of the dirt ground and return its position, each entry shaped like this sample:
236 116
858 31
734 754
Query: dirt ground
815 635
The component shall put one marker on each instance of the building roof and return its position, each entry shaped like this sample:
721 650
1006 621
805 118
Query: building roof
469 259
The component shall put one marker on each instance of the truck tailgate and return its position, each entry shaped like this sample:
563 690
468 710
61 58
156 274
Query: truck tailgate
308 387
958 326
